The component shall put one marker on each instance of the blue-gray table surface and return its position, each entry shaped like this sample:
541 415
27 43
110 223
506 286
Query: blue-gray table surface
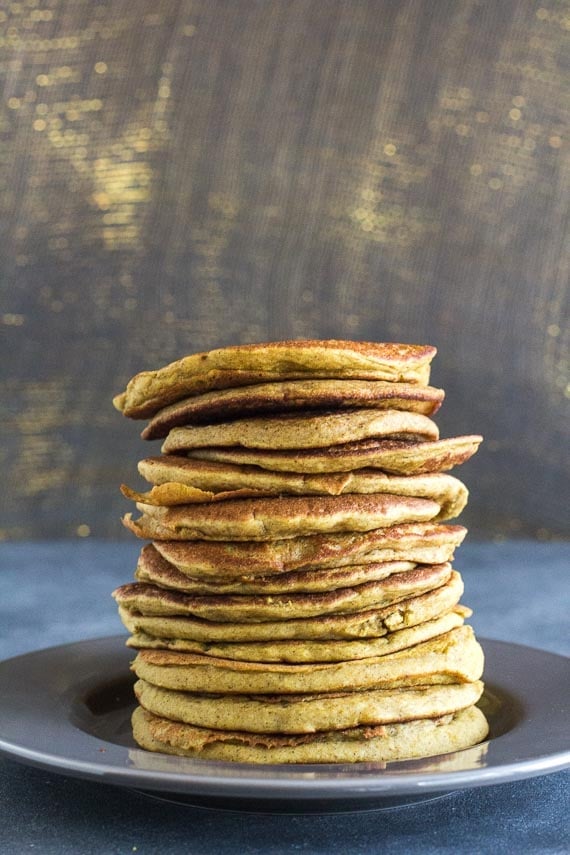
54 593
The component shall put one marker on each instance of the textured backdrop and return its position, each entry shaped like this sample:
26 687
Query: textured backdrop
177 175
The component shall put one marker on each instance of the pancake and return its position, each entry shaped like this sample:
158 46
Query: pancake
398 457
244 365
400 741
297 603
274 518
422 543
454 657
371 623
306 713
306 430
179 481
152 600
265 398
306 651
155 570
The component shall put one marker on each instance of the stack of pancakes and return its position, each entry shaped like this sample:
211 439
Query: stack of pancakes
296 601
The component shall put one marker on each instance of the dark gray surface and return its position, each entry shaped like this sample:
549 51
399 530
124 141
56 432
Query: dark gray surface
54 593
51 814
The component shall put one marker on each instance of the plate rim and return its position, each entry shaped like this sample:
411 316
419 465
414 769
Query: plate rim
283 782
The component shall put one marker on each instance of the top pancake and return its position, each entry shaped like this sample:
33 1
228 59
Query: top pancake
293 395
244 365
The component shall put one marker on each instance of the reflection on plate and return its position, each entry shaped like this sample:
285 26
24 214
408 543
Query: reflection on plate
68 708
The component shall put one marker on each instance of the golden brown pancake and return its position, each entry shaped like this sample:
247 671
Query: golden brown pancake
274 518
422 543
454 657
400 741
297 604
306 713
371 623
288 396
306 651
180 481
399 457
154 569
303 430
244 365
152 600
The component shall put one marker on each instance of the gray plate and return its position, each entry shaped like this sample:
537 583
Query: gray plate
67 709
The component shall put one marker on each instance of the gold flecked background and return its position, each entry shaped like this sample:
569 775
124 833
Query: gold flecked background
177 175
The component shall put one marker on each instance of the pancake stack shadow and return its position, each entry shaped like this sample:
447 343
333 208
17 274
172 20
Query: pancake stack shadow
296 602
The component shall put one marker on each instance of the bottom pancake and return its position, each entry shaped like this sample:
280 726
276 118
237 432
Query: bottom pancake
401 741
